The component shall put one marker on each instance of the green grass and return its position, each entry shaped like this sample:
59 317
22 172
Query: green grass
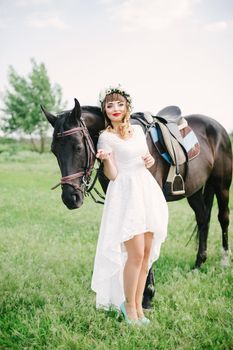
46 261
11 146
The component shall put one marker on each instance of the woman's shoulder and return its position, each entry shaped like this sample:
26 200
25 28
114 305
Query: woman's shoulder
105 136
103 133
137 127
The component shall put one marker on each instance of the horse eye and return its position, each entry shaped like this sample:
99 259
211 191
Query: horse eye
78 148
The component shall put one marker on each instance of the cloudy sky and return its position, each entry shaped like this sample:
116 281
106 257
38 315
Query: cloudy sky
164 52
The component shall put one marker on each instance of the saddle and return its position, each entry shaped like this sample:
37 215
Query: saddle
176 143
171 116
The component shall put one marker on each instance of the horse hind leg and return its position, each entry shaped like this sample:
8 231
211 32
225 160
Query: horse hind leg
222 195
201 202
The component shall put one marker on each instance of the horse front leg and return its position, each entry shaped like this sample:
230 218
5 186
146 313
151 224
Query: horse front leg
149 290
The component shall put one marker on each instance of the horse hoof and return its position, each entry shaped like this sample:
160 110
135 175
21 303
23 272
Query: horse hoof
146 302
200 260
146 305
225 260
197 265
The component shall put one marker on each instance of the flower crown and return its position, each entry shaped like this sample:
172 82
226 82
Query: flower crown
114 90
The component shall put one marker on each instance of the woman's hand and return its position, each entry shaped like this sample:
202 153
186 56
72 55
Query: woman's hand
102 154
110 170
148 160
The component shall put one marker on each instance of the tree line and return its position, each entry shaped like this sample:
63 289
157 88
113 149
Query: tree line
22 100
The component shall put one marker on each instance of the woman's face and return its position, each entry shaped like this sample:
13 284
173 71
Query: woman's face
116 110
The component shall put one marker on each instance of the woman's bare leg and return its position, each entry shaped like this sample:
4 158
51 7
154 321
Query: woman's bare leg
148 237
135 250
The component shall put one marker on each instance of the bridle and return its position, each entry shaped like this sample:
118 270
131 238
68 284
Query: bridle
84 173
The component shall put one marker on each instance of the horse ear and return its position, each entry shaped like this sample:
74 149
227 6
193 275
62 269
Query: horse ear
76 112
50 117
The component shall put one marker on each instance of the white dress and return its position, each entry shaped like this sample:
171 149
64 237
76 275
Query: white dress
134 204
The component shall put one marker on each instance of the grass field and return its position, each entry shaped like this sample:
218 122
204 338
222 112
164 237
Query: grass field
46 261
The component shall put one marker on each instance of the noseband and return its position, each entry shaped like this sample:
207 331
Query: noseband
84 173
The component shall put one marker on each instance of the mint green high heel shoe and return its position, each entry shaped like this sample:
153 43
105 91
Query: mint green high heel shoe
127 320
144 321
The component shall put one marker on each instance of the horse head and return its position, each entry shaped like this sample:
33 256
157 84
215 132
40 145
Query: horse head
75 153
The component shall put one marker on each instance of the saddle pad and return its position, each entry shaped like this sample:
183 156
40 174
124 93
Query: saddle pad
190 142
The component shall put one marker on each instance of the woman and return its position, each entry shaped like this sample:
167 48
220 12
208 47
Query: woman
135 215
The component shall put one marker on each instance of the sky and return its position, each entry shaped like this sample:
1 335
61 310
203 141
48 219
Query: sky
163 52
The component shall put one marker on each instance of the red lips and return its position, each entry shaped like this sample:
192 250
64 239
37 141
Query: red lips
116 114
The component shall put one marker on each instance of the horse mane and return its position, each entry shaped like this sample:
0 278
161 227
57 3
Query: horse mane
92 109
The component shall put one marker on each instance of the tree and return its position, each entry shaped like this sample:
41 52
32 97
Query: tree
23 99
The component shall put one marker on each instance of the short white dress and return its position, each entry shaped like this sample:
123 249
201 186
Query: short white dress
134 204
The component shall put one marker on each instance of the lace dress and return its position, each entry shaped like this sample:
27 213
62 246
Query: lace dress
134 204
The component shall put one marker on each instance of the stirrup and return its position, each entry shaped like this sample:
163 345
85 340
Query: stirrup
177 186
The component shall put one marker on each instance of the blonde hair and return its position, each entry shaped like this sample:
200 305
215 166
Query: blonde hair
124 127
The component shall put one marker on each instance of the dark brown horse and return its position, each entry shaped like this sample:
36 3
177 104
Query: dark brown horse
209 174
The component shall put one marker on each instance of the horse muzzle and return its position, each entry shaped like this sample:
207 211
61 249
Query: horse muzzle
71 197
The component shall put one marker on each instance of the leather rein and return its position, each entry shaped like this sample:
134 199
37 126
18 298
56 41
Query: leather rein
84 173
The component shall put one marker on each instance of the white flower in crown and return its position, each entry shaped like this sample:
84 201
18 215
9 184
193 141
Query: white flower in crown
111 90
102 95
